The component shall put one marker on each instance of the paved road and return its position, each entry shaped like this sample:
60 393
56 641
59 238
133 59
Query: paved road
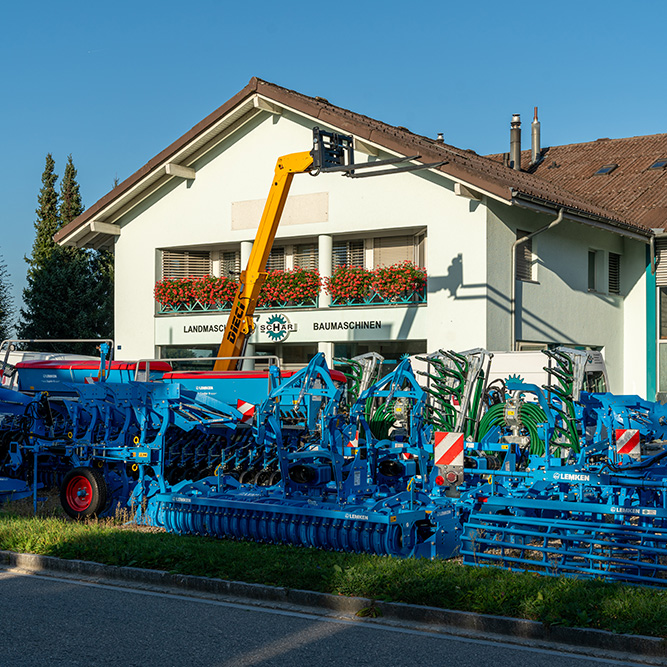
59 622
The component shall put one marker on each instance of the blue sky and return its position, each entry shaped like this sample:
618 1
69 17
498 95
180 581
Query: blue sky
115 83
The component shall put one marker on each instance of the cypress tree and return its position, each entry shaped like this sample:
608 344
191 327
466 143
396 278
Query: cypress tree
71 205
48 218
70 290
6 303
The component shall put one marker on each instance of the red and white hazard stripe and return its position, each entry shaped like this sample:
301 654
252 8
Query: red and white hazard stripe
247 410
627 442
351 448
448 448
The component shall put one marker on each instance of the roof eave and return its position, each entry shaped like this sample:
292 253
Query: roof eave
151 172
584 217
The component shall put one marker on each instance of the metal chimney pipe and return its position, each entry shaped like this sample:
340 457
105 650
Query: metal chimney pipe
535 147
515 142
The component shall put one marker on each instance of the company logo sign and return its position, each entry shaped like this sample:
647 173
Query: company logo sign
277 328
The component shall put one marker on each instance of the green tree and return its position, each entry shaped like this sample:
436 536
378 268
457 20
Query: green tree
70 290
48 218
101 264
6 303
71 205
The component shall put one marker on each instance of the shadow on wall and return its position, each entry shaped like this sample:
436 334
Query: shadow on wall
452 282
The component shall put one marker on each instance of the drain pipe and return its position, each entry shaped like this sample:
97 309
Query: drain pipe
557 220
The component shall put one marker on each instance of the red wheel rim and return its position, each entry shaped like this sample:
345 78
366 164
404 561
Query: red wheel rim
79 493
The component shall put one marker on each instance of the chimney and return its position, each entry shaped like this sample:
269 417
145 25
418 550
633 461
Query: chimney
535 148
515 142
441 138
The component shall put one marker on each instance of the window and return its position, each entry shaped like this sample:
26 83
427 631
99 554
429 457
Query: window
659 164
614 273
607 169
592 270
183 264
524 257
230 264
348 253
389 250
663 312
276 261
306 256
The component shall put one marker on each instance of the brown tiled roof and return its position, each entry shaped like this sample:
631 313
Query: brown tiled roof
632 190
485 173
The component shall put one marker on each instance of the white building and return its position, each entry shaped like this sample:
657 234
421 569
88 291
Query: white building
194 209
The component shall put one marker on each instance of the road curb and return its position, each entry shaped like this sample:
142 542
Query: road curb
460 622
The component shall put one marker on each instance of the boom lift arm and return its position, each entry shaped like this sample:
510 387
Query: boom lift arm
331 152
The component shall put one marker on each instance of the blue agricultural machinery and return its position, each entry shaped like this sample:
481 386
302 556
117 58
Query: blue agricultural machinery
428 463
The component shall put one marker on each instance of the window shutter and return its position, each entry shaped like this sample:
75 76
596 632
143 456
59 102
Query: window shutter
348 253
185 263
421 250
614 273
661 261
276 261
663 312
392 250
306 257
524 257
230 264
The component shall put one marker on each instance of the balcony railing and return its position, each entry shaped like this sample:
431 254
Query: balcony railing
375 299
196 306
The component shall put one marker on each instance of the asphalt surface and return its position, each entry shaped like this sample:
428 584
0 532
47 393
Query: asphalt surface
58 621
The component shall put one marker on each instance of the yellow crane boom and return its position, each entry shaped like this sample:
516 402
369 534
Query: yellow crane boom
331 152
240 323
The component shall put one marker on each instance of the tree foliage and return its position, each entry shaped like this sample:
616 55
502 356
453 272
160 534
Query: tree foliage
48 218
69 291
6 303
71 205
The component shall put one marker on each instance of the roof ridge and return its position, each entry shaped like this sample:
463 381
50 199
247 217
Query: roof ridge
466 165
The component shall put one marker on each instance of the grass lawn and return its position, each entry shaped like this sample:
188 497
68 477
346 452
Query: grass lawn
446 584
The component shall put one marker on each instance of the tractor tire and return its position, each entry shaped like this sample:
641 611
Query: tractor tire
83 493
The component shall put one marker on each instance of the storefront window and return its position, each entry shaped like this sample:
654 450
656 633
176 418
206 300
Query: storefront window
201 353
392 351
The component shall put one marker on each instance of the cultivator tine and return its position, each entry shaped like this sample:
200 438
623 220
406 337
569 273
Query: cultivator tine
567 547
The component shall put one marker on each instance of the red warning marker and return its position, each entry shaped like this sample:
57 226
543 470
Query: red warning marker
448 448
627 442
246 409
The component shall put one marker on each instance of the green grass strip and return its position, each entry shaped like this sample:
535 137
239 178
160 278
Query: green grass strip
445 584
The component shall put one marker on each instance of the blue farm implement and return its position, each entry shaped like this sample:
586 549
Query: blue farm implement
98 447
369 498
548 479
580 489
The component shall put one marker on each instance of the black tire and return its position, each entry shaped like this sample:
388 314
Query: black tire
83 493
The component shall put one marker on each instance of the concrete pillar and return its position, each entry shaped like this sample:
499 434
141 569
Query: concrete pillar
328 349
325 264
249 364
246 247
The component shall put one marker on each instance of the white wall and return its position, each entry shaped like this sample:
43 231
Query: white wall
199 212
558 307
468 256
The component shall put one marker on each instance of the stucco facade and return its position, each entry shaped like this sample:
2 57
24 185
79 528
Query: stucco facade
466 233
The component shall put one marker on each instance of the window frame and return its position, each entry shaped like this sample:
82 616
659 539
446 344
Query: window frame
524 258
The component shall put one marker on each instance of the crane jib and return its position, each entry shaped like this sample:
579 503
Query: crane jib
236 321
